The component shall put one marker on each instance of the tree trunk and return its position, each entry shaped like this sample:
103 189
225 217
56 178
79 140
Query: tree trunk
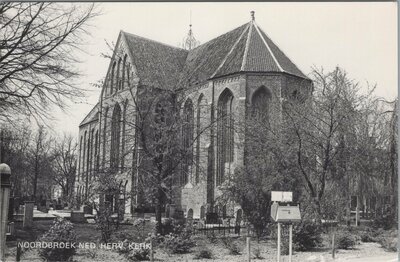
158 211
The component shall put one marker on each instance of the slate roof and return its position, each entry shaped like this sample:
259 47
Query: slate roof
244 49
158 65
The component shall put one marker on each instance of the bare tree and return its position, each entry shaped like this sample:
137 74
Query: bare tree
38 47
64 165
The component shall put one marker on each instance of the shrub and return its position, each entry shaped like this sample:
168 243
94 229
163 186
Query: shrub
177 244
345 240
203 253
368 237
257 253
389 243
138 254
307 235
386 222
231 246
104 223
60 231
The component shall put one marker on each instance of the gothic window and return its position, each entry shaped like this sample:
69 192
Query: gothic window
201 107
124 68
112 82
187 139
96 152
80 158
261 104
115 136
118 82
123 135
84 153
225 133
105 136
128 75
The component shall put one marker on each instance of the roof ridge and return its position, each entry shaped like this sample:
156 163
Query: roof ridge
155 41
246 49
230 51
212 39
268 47
270 39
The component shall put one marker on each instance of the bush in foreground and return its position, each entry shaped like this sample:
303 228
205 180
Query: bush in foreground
203 253
60 231
345 240
307 235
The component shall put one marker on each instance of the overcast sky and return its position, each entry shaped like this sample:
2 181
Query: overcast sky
359 37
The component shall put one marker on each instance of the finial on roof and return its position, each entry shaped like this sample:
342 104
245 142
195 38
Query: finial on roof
252 15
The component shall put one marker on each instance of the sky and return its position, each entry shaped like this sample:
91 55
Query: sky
359 37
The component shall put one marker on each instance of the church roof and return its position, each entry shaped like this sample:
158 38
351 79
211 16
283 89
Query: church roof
93 115
158 65
244 49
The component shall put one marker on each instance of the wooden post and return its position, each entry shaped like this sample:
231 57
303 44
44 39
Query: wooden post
19 252
290 242
333 245
151 251
248 248
357 210
279 243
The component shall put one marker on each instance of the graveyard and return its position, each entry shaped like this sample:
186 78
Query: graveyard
224 241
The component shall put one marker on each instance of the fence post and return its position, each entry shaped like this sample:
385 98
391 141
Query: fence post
279 243
333 245
151 251
248 248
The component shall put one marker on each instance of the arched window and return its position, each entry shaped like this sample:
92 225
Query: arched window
225 133
84 154
112 82
124 135
128 75
105 116
118 87
200 118
187 140
260 104
96 150
80 158
123 73
115 136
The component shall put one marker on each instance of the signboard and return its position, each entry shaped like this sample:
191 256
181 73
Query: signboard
288 214
274 210
281 196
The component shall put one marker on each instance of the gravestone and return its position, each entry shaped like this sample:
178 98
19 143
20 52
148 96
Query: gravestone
28 214
88 209
78 217
190 216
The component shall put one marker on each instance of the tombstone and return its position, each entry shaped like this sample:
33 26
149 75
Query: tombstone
88 209
212 218
202 212
78 217
11 209
190 216
238 221
28 214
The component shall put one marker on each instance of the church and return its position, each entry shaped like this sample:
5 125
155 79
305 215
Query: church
215 86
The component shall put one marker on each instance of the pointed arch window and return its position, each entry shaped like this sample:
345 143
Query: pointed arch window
261 100
112 82
124 68
115 136
200 118
118 81
225 133
187 139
